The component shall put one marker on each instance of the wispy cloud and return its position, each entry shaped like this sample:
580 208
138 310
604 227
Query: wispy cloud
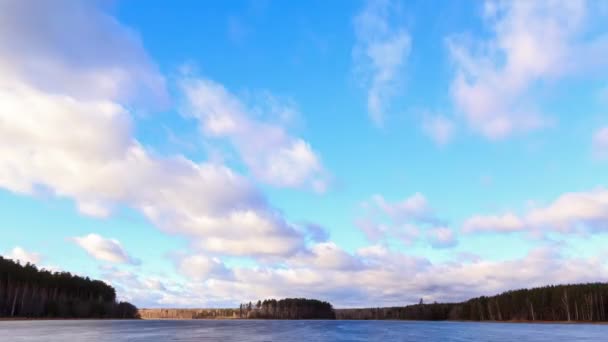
442 237
600 143
383 45
530 42
270 152
439 128
413 208
505 223
408 221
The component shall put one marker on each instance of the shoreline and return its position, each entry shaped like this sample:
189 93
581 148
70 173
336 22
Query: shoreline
22 319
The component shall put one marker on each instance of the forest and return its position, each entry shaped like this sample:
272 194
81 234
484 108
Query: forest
29 292
289 308
582 302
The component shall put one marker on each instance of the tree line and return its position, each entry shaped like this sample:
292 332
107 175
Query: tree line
288 308
582 302
26 291
420 312
216 313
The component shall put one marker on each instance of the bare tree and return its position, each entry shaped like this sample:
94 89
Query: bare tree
531 310
566 304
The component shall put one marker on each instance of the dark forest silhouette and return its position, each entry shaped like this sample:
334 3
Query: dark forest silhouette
575 303
583 302
289 308
26 291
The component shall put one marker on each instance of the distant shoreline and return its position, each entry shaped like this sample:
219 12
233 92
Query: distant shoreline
22 319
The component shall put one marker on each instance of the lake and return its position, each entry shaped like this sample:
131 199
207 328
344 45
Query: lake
309 331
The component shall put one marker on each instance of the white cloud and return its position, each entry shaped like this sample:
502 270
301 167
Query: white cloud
531 42
78 144
376 231
57 47
407 221
144 291
201 267
439 128
573 212
384 277
504 223
326 255
380 54
415 207
104 249
18 253
272 155
600 143
576 212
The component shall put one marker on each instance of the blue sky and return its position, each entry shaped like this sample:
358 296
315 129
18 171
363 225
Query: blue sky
363 152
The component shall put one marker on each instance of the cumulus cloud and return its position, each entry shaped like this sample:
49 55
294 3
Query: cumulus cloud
104 249
145 291
407 221
316 232
576 212
382 48
78 144
201 267
326 255
530 42
57 47
20 254
383 277
272 155
600 143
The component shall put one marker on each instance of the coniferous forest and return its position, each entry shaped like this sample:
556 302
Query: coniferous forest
583 302
289 308
26 291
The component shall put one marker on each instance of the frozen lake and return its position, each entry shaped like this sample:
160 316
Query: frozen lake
253 330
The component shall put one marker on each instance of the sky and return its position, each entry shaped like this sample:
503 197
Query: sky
367 153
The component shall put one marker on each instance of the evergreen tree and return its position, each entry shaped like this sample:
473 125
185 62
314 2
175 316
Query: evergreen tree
26 291
582 302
